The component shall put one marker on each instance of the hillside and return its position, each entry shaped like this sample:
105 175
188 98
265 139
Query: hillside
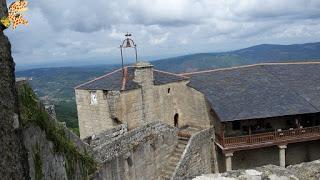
56 84
252 55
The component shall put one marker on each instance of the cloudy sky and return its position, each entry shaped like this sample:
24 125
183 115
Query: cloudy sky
85 31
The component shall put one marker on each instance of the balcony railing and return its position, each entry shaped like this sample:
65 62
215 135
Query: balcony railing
269 137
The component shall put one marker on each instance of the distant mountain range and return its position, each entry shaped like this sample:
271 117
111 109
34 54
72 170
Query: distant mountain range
57 83
252 55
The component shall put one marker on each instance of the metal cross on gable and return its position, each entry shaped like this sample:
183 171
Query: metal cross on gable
128 43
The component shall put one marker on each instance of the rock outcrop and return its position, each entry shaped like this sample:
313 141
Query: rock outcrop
303 171
54 152
32 145
13 155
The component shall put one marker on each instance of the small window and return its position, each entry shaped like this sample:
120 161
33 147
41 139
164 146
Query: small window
169 90
94 98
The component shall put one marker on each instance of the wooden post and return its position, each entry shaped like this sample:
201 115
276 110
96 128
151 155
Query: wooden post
222 133
250 133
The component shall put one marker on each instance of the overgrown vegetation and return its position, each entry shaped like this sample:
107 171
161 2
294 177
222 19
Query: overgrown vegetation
37 163
32 112
67 112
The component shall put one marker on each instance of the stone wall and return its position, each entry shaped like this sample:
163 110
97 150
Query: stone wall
106 136
12 153
303 171
113 100
295 153
93 118
255 157
197 157
130 108
302 152
138 154
189 104
143 75
140 106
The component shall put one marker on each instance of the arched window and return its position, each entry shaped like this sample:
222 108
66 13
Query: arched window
176 120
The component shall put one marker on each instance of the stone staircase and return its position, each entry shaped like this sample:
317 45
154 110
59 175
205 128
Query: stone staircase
174 159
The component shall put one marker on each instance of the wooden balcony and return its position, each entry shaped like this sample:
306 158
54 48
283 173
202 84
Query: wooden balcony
268 139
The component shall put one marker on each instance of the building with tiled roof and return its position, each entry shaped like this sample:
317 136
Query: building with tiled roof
269 110
137 95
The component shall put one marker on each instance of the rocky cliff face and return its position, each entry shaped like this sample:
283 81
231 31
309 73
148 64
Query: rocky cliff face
44 163
303 171
54 152
13 155
33 146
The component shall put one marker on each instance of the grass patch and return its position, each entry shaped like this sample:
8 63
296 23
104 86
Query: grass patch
37 163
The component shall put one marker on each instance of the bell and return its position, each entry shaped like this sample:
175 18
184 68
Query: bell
128 43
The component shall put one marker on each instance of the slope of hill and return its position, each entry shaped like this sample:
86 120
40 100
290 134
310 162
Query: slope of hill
56 84
252 55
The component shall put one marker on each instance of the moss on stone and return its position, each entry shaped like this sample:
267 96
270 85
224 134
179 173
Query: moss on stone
37 163
32 112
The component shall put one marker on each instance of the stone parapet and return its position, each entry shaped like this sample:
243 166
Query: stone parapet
128 141
196 158
106 136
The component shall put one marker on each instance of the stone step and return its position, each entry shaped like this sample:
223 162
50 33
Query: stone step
182 147
179 149
170 168
166 173
175 158
173 163
166 177
176 154
184 141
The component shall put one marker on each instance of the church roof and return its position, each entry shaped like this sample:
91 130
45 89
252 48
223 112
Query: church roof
116 81
260 91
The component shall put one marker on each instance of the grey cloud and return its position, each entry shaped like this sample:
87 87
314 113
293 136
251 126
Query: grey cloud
79 29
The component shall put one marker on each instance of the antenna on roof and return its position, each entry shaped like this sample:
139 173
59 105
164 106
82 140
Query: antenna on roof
127 43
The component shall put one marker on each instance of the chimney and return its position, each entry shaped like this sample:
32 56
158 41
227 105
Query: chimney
143 73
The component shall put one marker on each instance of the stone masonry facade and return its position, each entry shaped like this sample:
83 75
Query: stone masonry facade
139 106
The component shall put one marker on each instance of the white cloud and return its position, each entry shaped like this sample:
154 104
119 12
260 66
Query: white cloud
159 39
79 29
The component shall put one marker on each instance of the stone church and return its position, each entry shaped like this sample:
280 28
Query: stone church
143 122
